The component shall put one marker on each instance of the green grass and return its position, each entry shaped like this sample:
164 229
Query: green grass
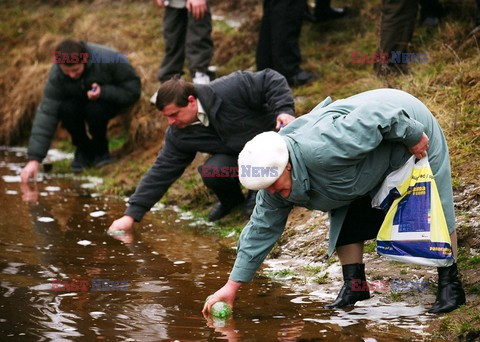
467 261
117 142
396 296
285 273
474 289
467 321
370 247
61 166
322 279
313 269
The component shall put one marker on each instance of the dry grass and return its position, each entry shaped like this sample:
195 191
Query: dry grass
32 31
449 83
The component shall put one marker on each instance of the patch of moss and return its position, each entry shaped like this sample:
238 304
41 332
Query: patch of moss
285 273
370 247
322 279
396 296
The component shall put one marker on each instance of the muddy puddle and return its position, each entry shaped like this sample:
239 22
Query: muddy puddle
63 278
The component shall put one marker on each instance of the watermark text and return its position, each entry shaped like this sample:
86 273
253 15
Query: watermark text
92 285
394 285
394 57
59 57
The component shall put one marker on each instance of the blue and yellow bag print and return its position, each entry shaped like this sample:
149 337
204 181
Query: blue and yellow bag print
414 229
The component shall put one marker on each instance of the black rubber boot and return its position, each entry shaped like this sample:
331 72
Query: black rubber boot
354 287
450 294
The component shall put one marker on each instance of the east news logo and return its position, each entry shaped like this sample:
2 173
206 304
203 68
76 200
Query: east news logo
59 57
395 57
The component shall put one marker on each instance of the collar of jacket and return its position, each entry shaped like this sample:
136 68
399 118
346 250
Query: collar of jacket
209 100
328 100
300 180
81 82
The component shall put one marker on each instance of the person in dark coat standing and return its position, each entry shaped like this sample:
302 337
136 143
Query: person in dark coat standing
88 85
278 45
216 118
396 31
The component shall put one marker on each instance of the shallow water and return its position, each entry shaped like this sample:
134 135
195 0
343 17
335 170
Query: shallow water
156 283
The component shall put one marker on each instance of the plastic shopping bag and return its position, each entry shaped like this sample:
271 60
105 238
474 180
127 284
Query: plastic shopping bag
414 229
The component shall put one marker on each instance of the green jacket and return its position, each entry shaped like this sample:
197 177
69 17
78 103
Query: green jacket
119 83
341 151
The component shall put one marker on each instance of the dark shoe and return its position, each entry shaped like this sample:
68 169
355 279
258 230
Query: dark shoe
330 13
308 16
450 294
354 288
219 211
250 203
431 22
301 78
104 159
80 161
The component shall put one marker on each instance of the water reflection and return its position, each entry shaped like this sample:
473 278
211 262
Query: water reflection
56 231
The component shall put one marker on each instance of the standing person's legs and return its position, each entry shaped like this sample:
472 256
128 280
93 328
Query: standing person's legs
199 45
174 32
477 20
286 19
72 117
220 174
396 31
263 56
97 115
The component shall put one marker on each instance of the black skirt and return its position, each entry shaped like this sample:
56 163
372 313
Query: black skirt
361 223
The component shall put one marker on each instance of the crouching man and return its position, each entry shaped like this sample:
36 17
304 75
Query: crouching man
87 86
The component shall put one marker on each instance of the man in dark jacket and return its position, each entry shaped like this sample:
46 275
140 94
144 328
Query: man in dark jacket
216 118
87 86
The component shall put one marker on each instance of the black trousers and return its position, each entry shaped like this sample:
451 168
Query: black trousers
278 43
220 174
430 8
79 116
361 223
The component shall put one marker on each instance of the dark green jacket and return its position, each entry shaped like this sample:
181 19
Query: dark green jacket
118 81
